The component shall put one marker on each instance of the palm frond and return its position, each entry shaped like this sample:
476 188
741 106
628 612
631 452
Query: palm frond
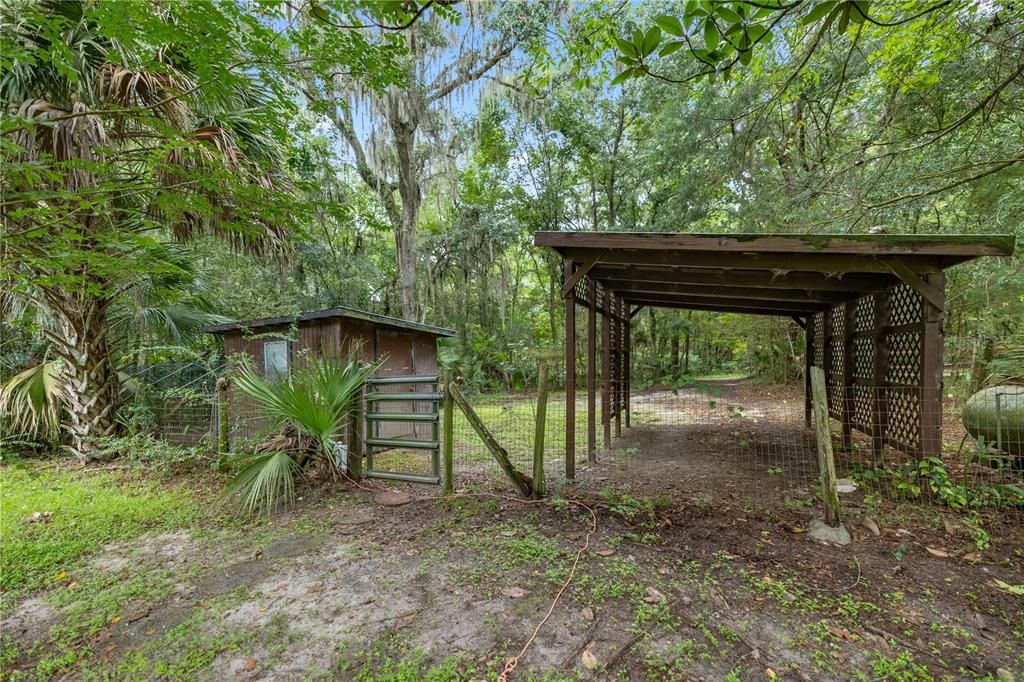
32 401
316 399
266 483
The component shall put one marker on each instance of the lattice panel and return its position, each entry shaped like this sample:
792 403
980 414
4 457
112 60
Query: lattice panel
863 398
863 357
838 326
864 314
819 339
904 359
905 306
835 395
580 289
904 419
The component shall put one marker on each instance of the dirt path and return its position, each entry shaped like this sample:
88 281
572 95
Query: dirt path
674 587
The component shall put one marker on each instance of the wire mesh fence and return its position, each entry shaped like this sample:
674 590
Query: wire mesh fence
720 439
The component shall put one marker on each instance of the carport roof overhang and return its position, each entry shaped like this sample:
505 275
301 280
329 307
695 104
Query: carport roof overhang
792 275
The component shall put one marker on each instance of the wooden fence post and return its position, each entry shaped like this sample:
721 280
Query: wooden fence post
523 483
826 459
448 426
538 434
223 439
354 462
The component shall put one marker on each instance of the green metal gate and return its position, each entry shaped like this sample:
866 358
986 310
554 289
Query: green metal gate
389 407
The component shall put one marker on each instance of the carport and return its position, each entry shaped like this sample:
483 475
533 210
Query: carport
871 307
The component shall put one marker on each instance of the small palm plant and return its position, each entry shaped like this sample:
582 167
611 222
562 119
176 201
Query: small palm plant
315 401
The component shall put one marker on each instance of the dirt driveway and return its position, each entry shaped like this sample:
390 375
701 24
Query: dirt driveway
672 586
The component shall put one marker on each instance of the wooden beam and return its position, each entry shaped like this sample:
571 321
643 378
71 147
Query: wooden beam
758 279
719 308
912 278
810 262
570 282
635 311
795 295
852 244
800 322
682 300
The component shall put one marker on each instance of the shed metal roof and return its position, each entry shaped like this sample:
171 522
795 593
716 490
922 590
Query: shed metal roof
760 273
328 313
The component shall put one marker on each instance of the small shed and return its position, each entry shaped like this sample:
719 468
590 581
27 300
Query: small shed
276 344
405 349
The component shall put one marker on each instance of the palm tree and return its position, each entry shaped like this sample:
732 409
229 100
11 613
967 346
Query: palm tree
115 146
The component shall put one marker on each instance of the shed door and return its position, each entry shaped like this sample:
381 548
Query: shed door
396 350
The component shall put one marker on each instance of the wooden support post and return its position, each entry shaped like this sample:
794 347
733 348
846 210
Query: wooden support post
809 354
826 337
619 336
448 439
538 432
629 364
354 460
879 374
223 435
591 371
570 377
932 341
849 322
826 458
522 483
606 367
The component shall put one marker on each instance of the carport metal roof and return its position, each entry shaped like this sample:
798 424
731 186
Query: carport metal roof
794 275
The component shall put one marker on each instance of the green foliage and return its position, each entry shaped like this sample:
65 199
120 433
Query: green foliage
316 401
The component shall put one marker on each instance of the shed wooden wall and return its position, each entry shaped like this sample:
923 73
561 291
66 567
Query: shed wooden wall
334 337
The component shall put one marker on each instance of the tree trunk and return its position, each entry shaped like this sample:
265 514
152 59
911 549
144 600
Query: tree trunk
675 355
88 381
409 190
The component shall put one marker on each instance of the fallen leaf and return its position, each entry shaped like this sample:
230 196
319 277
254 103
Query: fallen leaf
587 613
794 528
604 552
840 633
653 596
73 584
115 619
972 557
60 576
516 592
948 525
770 674
588 660
250 664
937 552
1007 587
870 524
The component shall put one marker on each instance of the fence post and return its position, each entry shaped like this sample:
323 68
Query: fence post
826 459
538 434
448 426
223 441
354 461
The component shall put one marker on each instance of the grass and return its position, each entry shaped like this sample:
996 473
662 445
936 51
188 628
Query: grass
89 509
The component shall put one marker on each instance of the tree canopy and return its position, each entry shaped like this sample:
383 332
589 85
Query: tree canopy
170 161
